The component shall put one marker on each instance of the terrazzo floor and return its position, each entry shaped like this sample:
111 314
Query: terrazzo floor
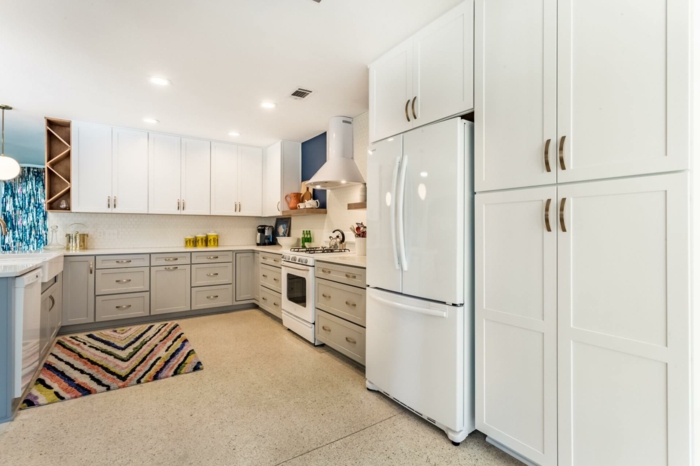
265 397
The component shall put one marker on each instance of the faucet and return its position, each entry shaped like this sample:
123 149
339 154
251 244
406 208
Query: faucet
3 227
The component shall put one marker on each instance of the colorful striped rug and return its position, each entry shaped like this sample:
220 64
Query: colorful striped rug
81 365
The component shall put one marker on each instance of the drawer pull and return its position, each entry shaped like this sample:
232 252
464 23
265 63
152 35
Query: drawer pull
53 302
125 280
325 271
171 268
214 296
350 276
275 304
350 340
276 279
125 306
264 298
275 260
327 296
212 274
212 257
126 261
265 258
327 329
170 259
264 276
348 303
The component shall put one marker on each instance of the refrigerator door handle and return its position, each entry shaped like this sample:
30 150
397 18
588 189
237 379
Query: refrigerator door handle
399 206
406 307
394 181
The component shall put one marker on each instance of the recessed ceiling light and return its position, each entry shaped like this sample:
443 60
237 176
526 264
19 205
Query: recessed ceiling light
160 81
152 121
268 105
234 134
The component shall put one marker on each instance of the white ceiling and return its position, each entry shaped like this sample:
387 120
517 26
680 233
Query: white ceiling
91 60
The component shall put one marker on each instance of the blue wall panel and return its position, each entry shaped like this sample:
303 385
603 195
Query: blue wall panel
313 156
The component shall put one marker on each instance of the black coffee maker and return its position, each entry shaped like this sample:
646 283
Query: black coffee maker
264 237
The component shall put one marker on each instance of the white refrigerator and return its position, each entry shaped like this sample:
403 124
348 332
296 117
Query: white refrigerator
420 273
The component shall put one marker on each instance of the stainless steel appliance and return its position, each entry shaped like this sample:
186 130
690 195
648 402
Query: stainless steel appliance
264 236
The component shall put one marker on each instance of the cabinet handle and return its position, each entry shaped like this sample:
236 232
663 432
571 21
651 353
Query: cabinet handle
53 302
348 303
90 267
264 276
109 202
350 340
214 296
325 271
327 329
546 215
406 109
275 260
327 296
275 304
171 268
413 108
212 257
561 215
278 206
125 280
171 259
124 261
276 279
212 275
125 306
183 205
546 155
115 202
350 276
561 152
178 204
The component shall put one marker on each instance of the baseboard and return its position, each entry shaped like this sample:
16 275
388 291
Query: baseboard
94 326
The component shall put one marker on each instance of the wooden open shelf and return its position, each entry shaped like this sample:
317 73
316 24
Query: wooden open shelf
58 164
303 212
357 205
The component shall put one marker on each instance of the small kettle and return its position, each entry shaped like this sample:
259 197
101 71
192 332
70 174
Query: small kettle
337 241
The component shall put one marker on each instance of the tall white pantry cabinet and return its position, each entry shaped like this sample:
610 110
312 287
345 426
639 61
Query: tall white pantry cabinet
587 233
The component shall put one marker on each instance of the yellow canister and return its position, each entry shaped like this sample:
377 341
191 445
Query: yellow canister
201 241
212 240
189 241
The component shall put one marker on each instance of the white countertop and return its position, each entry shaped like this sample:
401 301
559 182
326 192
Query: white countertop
16 264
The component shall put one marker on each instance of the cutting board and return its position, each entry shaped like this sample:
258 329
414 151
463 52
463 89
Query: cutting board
306 192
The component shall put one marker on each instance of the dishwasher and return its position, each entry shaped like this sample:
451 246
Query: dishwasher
27 309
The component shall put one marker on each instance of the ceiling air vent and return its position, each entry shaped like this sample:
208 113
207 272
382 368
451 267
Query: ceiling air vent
301 93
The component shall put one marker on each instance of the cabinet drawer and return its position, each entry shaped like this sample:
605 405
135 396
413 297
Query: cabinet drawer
271 277
341 335
122 306
170 259
344 301
214 274
354 276
271 302
212 296
210 257
112 281
122 261
274 260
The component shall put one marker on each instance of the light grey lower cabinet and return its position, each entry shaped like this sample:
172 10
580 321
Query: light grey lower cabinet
113 281
271 302
256 277
170 289
245 276
121 306
206 297
341 335
78 290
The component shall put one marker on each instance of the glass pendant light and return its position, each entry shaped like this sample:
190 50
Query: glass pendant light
9 168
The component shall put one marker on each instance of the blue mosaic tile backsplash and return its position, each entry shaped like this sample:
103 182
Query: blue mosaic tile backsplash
24 210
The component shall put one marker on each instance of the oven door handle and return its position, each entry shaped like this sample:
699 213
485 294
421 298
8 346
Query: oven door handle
295 268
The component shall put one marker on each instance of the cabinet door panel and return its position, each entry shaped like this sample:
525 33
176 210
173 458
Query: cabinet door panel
390 90
91 167
163 174
443 66
516 340
129 171
170 289
224 178
623 321
624 87
245 276
515 93
196 177
78 290
272 180
250 181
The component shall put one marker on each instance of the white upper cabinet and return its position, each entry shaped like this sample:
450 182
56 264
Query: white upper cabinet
426 78
164 174
515 91
250 181
224 178
281 175
91 167
129 171
624 87
195 187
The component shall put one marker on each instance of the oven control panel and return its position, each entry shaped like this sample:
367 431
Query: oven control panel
297 259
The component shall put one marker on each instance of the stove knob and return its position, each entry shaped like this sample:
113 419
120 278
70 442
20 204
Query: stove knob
306 261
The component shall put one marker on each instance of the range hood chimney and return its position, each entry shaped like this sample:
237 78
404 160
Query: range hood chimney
340 169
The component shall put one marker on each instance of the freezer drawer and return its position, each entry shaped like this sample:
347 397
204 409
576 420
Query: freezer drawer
416 353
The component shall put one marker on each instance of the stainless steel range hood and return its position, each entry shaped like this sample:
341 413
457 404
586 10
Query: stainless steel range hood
340 170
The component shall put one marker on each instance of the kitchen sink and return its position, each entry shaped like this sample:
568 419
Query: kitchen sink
51 262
